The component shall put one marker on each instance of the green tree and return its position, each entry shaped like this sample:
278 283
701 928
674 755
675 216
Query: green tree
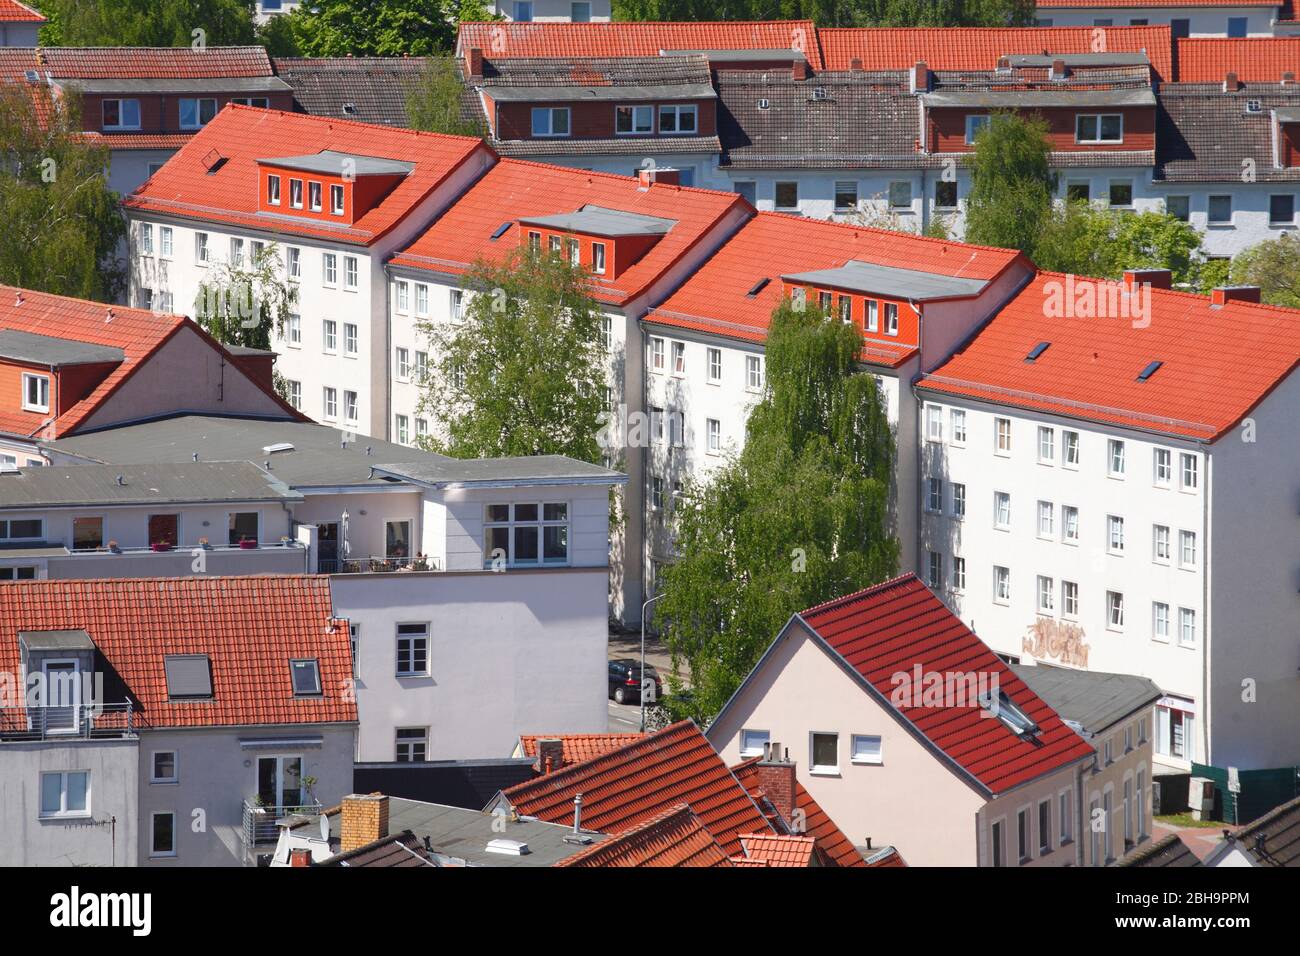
62 224
838 13
435 104
158 23
1012 183
1095 241
372 28
246 305
800 516
1274 266
523 373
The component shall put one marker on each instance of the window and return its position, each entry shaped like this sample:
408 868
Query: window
349 338
866 749
846 195
996 839
65 793
958 574
634 119
974 126
1078 191
421 366
678 119
715 365
121 114
1107 754
1179 207
787 195
331 402
412 744
1022 835
295 393
933 423
313 196
197 112
273 190
1281 210
1099 128
657 360
713 428
958 422
523 11
1070 598
350 272
403 363
598 258
1002 433
1189 473
1115 610
1001 584
1046 519
162 834
1121 192
200 247
934 497
1115 464
1175 730
1064 818
550 121
945 195
241 526
162 767
1186 627
36 392
294 262
747 189
1160 622
580 12
329 268
146 238
421 429
329 335
1046 595
679 358
1162 459
1002 509
350 407
336 200
1128 739
753 373
527 533
1044 827
1187 549
1160 543
421 299
261 102
87 534
1046 445
237 251
293 330
656 494
305 674
891 318
752 742
958 500
144 299
1114 534
900 194
1220 210
825 753
412 650
935 579
1237 26
1139 804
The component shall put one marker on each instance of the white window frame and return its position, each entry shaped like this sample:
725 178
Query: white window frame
413 638
641 120
176 767
870 759
1099 119
823 770
42 384
154 852
63 812
747 738
677 111
547 129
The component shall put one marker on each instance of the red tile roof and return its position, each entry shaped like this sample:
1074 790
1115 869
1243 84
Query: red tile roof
139 140
512 40
900 626
1253 59
1090 4
675 837
716 297
888 857
578 747
243 135
514 188
105 63
1218 363
250 627
978 48
628 786
779 850
11 11
831 841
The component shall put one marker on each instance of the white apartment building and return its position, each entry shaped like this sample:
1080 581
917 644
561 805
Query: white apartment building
1118 493
1213 18
553 11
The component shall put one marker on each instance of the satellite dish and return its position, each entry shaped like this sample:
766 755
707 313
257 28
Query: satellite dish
325 828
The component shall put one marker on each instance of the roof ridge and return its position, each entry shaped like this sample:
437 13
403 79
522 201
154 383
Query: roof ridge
1281 310
332 120
877 230
115 307
514 160
858 595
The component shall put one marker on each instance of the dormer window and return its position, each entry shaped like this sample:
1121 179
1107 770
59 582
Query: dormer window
295 193
575 252
631 120
535 242
1099 128
336 200
550 121
195 113
313 194
273 190
121 114
36 393
678 119
598 258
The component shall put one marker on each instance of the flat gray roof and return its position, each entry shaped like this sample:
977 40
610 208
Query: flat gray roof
331 162
858 276
223 481
458 834
600 221
537 469
1063 97
1093 700
182 85
46 350
1289 114
74 640
630 94
1080 59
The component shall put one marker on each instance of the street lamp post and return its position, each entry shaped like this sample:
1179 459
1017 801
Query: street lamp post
641 695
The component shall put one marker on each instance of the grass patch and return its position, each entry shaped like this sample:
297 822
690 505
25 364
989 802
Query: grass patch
1186 820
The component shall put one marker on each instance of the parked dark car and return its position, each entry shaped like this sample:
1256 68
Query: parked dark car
625 680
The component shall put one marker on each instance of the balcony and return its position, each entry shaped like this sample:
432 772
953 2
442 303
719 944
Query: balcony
262 822
279 557
376 563
65 724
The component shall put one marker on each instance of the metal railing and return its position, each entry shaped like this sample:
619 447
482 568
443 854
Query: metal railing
73 722
185 548
376 563
261 821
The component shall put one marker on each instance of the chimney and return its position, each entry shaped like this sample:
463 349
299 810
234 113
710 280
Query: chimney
550 755
800 70
1233 293
365 820
1231 84
1156 278
658 174
300 857
1058 69
776 777
919 77
1288 78
475 62
855 64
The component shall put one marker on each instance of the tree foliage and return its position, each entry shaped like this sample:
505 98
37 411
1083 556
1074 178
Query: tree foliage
246 305
62 224
147 22
1274 266
523 372
371 28
800 516
1095 241
1012 183
434 105
838 13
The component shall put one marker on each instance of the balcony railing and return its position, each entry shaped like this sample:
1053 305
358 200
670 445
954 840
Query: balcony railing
186 548
73 722
377 563
261 822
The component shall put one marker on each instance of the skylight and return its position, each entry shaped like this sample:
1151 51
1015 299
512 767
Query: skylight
189 676
306 677
501 230
759 286
1002 707
1036 351
1150 370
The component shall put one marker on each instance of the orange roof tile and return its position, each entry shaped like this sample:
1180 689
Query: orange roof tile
250 627
779 849
830 839
625 787
1090 4
99 63
716 297
978 48
578 747
673 838
1253 59
900 626
886 858
1218 363
615 39
243 135
514 188
11 11
139 140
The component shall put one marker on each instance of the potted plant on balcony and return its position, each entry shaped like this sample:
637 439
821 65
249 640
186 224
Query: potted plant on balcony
112 547
160 546
285 540
203 543
247 544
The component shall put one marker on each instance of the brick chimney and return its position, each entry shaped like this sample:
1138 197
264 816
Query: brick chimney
855 64
550 754
919 77
365 820
300 857
800 70
1234 293
1156 278
475 62
1058 69
776 777
1231 84
1288 78
658 174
